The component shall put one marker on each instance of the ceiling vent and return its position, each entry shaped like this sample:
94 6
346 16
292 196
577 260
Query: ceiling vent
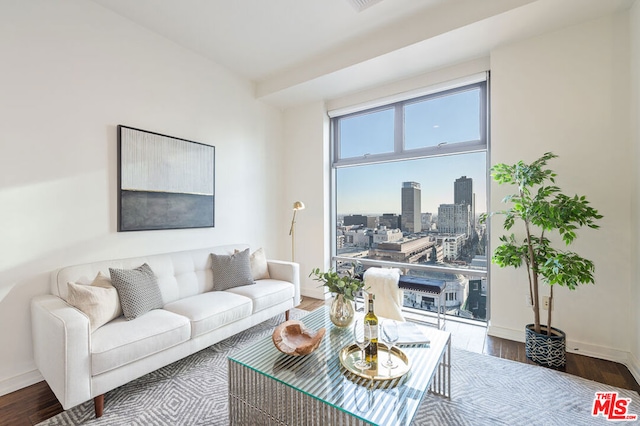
361 5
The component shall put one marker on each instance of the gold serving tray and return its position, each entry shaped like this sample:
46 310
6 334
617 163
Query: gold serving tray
351 353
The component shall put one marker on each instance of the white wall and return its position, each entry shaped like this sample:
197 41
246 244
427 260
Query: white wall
567 92
307 180
71 72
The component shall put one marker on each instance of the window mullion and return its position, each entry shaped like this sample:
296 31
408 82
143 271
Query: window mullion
437 151
398 133
335 131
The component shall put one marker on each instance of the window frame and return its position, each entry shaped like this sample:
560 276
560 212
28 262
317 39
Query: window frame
401 154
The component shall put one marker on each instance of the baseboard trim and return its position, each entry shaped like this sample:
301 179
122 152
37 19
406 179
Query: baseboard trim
634 366
581 348
315 293
506 333
20 381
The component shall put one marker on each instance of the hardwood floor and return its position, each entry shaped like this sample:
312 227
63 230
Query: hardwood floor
28 406
36 403
474 338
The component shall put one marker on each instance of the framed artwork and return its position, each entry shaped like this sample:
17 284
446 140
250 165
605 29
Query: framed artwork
164 182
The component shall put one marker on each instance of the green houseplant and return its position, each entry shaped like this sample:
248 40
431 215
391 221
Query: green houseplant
345 286
540 206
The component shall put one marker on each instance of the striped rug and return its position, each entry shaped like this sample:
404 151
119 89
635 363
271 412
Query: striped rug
485 391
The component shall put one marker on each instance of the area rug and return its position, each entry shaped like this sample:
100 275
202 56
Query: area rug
485 391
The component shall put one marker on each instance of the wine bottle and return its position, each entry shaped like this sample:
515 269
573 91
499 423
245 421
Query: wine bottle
371 351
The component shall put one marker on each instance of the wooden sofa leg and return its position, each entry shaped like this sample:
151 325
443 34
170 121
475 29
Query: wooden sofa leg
98 403
286 315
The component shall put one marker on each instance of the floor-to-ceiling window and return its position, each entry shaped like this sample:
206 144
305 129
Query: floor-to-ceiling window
409 182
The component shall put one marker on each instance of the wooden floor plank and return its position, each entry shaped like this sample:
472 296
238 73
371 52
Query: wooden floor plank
17 407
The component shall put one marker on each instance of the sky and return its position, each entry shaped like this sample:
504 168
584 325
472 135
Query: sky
376 188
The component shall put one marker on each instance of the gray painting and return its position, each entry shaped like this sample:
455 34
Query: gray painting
164 182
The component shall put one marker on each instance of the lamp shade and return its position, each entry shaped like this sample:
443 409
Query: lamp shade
298 205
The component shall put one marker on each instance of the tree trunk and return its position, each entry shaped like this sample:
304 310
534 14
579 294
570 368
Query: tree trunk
533 267
549 311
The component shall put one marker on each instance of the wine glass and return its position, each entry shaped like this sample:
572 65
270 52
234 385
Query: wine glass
389 338
362 336
363 397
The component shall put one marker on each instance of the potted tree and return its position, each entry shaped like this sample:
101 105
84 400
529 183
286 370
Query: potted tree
540 206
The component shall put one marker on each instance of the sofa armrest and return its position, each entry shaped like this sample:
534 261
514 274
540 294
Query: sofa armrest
286 271
61 346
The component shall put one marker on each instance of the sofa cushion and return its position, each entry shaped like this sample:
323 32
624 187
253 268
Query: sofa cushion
138 290
259 265
266 293
212 310
121 342
231 270
99 301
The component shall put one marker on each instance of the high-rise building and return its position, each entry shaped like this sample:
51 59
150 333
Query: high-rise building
411 220
463 190
463 194
454 219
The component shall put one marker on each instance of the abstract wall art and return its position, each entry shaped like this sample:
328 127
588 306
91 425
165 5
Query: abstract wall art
164 182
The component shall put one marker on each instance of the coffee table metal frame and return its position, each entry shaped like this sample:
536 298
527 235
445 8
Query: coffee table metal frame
267 387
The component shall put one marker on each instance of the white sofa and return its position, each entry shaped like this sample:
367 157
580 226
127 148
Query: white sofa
80 365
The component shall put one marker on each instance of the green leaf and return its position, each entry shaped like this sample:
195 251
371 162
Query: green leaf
539 205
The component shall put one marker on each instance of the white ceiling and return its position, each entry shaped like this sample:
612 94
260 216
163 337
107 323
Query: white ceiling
301 50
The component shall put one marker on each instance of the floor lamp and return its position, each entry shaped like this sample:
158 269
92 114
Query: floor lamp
298 205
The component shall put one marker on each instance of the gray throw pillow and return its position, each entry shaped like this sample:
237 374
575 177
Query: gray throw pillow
138 290
233 270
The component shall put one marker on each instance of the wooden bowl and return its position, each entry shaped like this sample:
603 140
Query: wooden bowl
293 338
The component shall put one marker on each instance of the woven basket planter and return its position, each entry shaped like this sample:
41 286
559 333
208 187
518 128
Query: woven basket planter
548 351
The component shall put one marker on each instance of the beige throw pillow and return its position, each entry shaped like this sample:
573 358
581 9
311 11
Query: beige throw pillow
259 268
258 262
99 301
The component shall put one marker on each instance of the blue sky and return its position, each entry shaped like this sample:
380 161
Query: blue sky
377 188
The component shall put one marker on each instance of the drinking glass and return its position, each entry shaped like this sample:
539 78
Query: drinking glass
363 397
389 338
362 336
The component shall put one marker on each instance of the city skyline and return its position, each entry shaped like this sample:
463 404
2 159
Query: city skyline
376 189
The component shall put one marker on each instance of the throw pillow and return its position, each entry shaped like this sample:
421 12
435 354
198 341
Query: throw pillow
138 290
99 301
259 267
231 271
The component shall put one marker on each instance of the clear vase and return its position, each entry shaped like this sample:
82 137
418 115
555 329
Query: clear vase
341 312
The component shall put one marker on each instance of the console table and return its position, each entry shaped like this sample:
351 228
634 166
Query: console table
271 388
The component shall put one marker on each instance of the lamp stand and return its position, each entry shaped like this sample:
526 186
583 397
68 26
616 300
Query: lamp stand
293 235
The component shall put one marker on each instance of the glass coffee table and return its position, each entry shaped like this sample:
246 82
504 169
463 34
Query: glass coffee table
269 387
